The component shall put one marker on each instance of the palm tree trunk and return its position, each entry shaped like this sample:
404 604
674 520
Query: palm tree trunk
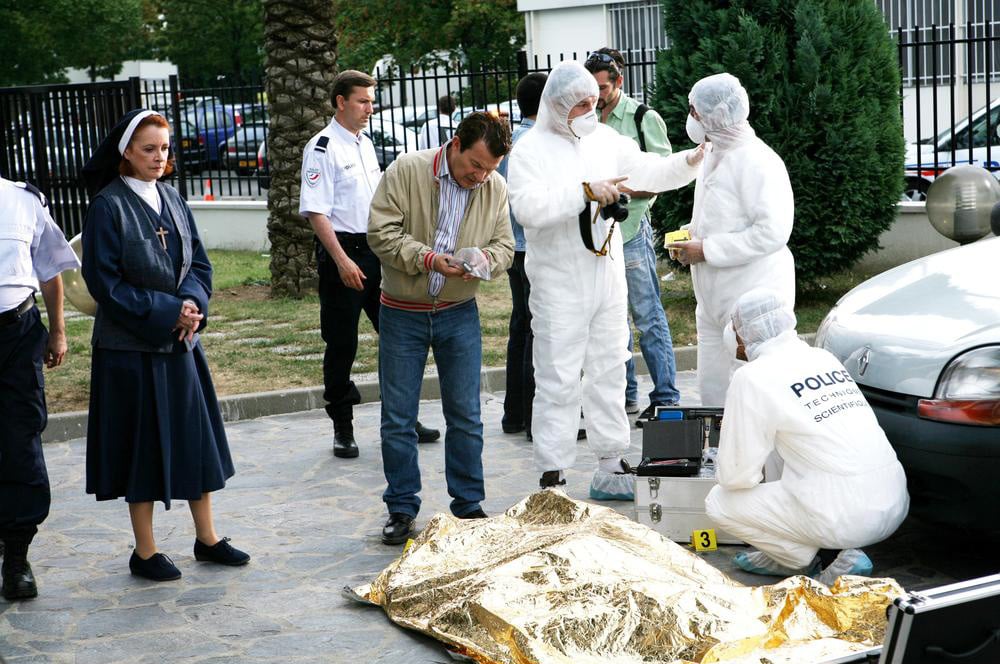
301 62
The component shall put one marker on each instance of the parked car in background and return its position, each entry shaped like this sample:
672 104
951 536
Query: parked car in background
391 140
922 342
505 107
263 167
241 149
214 125
411 117
191 144
980 132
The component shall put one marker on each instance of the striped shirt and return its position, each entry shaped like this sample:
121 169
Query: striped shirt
452 202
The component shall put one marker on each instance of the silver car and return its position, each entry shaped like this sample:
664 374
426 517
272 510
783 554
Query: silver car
923 343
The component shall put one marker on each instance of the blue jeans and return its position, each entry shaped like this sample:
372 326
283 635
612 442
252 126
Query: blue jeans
650 319
404 339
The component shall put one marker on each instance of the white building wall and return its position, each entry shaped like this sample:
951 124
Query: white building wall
150 70
555 30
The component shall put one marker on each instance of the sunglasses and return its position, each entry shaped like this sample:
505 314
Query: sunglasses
602 57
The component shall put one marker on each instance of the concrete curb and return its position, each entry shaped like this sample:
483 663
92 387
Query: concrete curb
67 426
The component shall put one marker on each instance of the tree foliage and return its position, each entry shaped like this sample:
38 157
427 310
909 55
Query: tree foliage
40 39
418 34
209 40
823 81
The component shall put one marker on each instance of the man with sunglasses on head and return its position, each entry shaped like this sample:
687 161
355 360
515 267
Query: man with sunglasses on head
645 126
563 175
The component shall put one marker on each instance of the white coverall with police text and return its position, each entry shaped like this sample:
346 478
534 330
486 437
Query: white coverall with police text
842 486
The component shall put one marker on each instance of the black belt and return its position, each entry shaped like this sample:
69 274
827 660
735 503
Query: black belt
13 315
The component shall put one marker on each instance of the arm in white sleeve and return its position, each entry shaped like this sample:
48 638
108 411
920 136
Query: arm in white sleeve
747 437
648 171
766 199
538 197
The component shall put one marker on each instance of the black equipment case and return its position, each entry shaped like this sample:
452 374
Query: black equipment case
959 622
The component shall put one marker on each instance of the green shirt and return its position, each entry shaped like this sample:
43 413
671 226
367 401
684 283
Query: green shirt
622 120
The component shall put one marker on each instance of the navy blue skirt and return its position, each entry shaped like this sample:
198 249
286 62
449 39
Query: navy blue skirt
154 431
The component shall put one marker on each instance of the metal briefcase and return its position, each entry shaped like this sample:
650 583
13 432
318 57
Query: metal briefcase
959 622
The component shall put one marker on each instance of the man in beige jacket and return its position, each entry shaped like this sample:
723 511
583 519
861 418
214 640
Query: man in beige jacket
438 223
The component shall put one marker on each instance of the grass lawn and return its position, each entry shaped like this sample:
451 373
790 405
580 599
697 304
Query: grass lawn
258 343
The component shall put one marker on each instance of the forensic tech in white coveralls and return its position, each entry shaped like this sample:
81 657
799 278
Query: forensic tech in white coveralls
841 487
578 299
742 218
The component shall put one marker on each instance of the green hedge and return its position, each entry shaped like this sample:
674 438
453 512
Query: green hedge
823 81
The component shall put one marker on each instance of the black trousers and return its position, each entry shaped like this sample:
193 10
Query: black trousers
340 311
24 481
520 371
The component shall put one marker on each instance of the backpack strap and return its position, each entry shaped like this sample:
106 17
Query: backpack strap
639 112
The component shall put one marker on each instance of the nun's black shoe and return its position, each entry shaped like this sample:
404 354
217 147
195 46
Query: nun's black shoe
397 529
475 514
157 567
222 552
426 435
19 582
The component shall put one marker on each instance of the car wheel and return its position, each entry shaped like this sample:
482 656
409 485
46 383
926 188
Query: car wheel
915 190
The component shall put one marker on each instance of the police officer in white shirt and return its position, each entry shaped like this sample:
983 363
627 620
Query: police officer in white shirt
339 175
33 251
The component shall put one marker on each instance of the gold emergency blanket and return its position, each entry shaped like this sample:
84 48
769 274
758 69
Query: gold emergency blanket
559 580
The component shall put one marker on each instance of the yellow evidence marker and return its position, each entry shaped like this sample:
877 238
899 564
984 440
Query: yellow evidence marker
704 540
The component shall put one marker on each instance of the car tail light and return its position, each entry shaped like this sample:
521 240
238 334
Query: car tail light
969 390
967 411
238 117
260 162
201 140
231 149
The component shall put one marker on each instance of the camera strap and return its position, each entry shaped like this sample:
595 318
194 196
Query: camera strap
587 235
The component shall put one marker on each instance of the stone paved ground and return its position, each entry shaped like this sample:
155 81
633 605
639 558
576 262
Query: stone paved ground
312 524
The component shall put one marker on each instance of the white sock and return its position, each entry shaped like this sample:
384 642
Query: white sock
611 465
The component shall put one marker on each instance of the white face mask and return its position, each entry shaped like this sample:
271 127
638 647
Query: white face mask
694 130
583 124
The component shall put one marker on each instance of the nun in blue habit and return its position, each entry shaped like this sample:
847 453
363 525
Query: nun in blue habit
154 431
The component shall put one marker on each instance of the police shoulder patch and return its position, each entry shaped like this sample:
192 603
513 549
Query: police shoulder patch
27 186
313 176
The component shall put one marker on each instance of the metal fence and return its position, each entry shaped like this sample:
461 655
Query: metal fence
48 132
948 99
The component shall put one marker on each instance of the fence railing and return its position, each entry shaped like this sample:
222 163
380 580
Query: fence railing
47 133
948 107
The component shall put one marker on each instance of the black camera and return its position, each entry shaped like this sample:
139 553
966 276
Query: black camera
617 211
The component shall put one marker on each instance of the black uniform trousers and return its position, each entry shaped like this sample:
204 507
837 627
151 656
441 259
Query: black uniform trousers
340 311
520 370
24 481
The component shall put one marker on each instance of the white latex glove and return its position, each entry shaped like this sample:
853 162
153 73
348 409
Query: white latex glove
606 191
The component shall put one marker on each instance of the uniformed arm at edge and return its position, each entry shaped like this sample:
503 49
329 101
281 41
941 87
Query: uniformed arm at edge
52 255
146 313
394 247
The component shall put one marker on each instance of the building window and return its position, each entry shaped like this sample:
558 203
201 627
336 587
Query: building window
637 31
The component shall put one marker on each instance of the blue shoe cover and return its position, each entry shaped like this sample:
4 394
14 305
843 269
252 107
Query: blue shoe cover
848 561
758 562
